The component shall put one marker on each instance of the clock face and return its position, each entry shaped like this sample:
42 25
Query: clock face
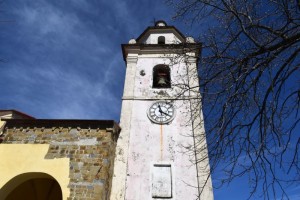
161 112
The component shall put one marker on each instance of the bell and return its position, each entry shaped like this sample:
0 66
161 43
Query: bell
162 81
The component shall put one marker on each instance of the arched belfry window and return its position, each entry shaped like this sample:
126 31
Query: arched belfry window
161 76
161 40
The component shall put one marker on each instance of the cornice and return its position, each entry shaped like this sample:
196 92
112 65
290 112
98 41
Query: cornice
161 49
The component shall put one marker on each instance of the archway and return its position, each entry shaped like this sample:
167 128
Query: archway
34 186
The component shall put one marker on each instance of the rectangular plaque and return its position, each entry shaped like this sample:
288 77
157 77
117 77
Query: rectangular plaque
161 181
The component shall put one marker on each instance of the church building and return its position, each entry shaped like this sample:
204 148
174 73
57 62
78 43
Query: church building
158 151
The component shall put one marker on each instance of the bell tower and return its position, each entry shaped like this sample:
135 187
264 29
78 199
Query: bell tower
161 152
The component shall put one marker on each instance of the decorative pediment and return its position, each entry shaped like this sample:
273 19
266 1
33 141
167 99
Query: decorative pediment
161 34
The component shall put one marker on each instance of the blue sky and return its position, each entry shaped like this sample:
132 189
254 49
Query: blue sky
63 59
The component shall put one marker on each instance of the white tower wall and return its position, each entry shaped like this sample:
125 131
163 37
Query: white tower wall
158 161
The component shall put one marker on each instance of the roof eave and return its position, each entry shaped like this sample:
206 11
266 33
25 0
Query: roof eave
192 47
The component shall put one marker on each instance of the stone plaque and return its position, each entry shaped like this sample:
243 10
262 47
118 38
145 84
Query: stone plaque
161 181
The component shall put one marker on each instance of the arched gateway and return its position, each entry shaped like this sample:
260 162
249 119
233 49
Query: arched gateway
35 186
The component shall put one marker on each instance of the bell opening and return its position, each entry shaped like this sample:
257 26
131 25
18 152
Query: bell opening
161 76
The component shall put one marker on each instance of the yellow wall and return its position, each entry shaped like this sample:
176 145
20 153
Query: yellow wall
17 159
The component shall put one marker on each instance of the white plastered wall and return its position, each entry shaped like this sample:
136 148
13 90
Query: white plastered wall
150 143
170 38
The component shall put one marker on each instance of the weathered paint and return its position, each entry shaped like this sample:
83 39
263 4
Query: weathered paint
143 144
161 181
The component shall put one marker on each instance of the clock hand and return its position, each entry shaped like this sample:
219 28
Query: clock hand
162 112
159 109
165 113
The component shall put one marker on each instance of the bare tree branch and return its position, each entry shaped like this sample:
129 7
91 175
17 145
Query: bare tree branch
250 87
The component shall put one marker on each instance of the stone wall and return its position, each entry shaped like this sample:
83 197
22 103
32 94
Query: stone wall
89 144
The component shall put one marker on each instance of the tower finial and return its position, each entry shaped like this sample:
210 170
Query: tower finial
160 23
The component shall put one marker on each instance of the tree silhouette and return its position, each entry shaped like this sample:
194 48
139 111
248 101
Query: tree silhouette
250 87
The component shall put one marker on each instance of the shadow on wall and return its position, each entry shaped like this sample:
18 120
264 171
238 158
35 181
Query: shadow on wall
38 186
